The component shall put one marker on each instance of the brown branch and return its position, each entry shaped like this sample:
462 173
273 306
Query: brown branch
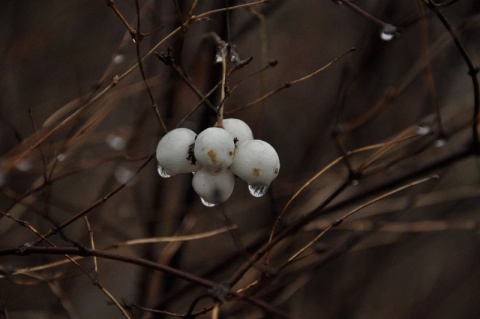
87 252
472 70
97 203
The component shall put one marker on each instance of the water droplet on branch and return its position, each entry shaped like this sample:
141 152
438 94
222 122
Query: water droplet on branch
440 143
61 157
424 130
119 59
115 142
124 175
218 58
388 32
24 165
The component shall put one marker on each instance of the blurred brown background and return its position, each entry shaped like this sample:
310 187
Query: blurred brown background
64 145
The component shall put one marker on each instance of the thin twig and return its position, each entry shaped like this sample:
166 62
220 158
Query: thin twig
97 203
353 211
290 84
472 70
122 244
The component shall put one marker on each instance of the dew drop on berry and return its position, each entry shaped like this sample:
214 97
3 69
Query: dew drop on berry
257 190
206 203
162 172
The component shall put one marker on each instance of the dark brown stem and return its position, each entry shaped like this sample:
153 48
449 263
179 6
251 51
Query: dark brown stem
91 207
87 252
472 70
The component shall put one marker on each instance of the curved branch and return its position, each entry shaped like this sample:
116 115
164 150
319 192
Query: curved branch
87 252
472 70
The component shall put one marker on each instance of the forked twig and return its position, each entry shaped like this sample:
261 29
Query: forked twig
353 211
94 279
290 84
139 241
472 70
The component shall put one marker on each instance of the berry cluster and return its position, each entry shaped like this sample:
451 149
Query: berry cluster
216 156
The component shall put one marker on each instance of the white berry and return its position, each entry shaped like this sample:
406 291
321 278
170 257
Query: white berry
256 162
213 189
238 129
214 150
173 152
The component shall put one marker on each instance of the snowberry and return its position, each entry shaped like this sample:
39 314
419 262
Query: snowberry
257 163
173 154
213 189
214 150
238 129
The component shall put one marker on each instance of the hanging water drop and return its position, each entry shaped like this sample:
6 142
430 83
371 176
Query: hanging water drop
61 157
125 176
234 56
163 173
440 142
355 182
119 59
115 142
257 190
204 202
424 130
388 32
386 36
24 165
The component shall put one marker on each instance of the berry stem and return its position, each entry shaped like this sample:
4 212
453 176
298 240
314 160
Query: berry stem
223 54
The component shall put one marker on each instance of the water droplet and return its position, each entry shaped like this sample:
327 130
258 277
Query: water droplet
133 39
124 175
234 56
424 130
218 58
24 165
388 32
163 173
61 157
208 204
355 182
386 36
119 59
440 142
115 142
257 190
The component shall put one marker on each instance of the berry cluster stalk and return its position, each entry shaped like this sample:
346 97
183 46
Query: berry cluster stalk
223 54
